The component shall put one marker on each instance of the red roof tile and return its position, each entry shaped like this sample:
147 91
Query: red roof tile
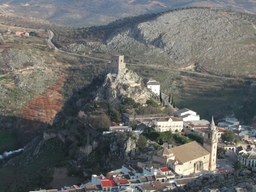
107 183
164 169
121 181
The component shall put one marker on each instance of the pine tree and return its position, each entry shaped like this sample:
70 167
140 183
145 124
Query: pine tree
161 100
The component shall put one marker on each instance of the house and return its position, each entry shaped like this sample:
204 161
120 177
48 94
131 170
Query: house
154 86
197 124
108 185
229 123
187 115
93 188
247 156
172 124
120 128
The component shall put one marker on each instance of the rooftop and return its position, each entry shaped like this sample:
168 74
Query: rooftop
190 151
107 183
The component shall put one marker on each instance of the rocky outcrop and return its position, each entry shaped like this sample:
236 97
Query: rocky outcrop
242 180
124 84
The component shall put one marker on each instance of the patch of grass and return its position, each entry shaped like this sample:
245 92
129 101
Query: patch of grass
8 141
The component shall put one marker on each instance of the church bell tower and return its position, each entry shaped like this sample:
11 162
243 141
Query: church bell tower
211 143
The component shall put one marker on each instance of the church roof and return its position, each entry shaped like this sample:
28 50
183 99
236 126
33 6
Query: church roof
189 152
164 152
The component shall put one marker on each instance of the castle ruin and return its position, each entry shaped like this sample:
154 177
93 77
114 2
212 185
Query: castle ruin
117 64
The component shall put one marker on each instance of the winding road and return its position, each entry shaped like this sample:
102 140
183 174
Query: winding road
51 45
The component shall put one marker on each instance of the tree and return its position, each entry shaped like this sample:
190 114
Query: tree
237 139
99 121
142 142
196 137
152 103
114 115
220 152
238 165
169 99
161 100
228 136
166 136
153 136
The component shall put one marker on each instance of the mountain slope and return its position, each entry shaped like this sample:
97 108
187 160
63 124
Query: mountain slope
209 40
92 12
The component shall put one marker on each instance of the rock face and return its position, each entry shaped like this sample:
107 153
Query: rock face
124 84
242 180
214 41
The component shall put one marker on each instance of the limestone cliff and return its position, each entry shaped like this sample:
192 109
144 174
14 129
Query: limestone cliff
123 84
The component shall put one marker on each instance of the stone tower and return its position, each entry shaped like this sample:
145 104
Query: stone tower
211 143
117 64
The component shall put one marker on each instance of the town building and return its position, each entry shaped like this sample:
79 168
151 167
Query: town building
161 123
247 156
187 115
229 123
154 86
172 124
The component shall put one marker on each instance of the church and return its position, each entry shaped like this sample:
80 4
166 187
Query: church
191 157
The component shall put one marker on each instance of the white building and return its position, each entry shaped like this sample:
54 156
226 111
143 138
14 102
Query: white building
172 124
154 86
229 123
187 115
247 157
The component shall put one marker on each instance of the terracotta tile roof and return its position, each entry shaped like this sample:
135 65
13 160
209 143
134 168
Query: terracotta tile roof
220 129
164 152
150 178
160 176
163 119
107 183
161 185
121 181
176 119
164 169
143 179
148 187
134 181
92 187
189 151
184 181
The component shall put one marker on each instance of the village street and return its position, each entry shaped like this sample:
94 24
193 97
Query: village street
227 163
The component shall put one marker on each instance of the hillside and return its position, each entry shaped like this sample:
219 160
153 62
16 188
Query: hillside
35 81
198 54
92 12
205 40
